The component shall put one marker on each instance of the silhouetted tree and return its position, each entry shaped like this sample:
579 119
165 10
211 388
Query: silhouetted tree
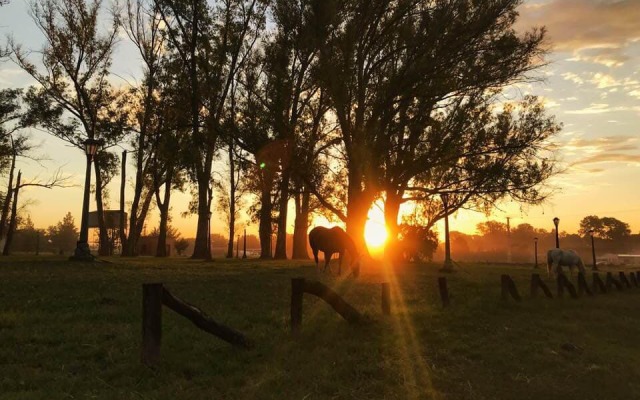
74 100
391 69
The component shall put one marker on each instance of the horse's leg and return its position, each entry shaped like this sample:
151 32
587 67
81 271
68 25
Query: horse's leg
327 259
315 257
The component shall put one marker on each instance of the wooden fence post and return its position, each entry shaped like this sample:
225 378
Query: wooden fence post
598 284
633 279
612 282
297 292
582 285
623 279
151 323
563 283
444 291
538 283
509 288
386 298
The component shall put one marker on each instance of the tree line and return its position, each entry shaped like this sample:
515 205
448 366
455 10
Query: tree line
496 242
331 104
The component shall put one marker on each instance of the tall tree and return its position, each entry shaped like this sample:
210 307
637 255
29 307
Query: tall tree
211 44
385 62
142 23
74 100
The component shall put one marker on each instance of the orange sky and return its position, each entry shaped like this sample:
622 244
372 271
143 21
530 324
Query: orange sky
592 85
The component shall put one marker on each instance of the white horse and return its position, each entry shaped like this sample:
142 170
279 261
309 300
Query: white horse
559 258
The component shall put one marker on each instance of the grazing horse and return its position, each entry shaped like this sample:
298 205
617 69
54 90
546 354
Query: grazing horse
558 258
330 241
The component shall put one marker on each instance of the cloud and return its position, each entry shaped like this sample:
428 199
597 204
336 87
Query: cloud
600 108
611 149
610 157
593 30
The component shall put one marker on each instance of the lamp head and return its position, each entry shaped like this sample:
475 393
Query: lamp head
556 221
91 146
535 238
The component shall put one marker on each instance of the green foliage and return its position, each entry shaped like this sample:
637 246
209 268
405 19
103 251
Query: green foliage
604 228
181 245
417 243
64 235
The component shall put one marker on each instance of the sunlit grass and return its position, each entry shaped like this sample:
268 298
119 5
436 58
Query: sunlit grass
73 330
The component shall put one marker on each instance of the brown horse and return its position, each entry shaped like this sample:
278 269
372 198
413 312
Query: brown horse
330 241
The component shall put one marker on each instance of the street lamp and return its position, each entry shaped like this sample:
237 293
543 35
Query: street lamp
593 251
556 221
82 252
535 241
447 267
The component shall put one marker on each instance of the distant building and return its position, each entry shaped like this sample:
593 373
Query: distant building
147 245
633 259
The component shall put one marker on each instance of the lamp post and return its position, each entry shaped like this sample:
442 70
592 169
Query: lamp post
447 267
244 248
593 251
535 242
556 221
82 252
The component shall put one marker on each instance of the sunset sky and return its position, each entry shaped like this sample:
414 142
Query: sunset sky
592 86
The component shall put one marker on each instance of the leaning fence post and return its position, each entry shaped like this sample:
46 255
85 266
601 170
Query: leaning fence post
297 292
611 281
623 279
537 283
563 283
598 284
151 323
386 298
633 279
582 285
444 292
509 288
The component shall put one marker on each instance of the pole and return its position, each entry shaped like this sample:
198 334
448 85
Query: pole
535 241
593 253
82 252
244 249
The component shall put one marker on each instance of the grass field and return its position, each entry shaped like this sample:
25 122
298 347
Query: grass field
74 331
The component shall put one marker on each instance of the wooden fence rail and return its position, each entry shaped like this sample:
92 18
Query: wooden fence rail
299 286
154 295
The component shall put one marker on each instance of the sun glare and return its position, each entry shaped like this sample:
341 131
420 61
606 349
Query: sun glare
375 232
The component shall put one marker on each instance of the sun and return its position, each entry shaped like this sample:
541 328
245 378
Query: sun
375 231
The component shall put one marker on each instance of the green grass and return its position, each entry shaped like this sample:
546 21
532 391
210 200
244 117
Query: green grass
74 331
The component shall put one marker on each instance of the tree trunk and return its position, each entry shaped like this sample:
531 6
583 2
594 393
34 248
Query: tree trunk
265 222
105 248
122 221
232 202
281 241
391 211
301 225
201 249
14 215
161 250
7 198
